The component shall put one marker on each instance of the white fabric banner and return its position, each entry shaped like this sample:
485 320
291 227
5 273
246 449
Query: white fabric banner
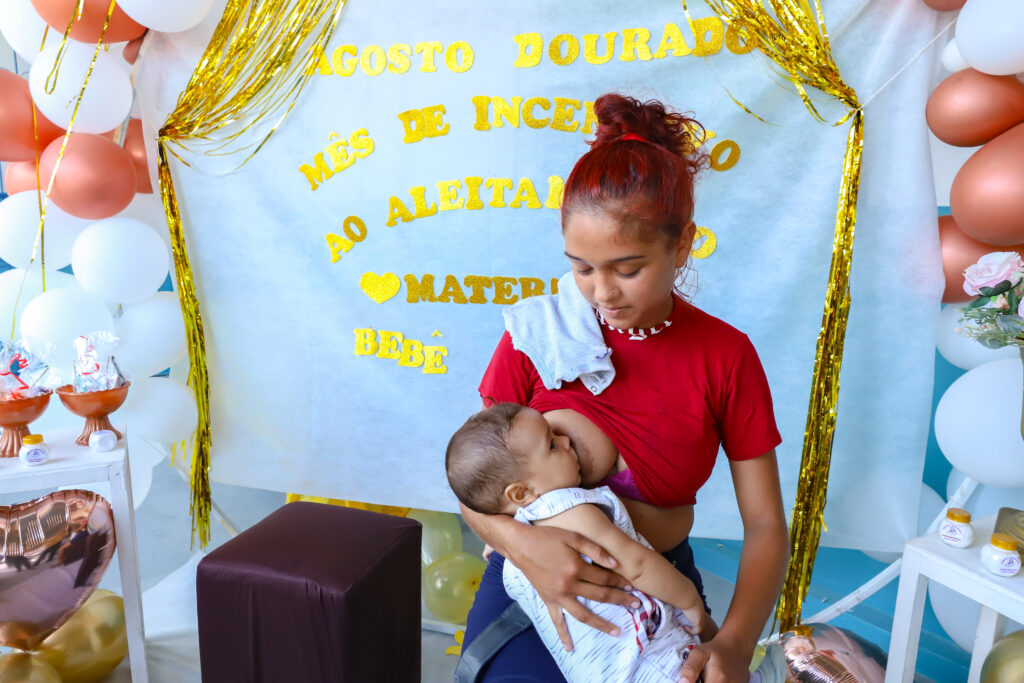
351 276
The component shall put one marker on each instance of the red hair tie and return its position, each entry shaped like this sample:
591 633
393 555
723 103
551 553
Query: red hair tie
633 136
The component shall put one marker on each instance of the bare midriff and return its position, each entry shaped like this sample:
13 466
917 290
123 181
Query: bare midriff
664 528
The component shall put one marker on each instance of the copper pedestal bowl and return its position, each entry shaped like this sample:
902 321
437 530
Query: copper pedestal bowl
94 406
15 416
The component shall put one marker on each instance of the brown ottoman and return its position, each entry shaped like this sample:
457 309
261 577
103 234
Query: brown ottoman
313 593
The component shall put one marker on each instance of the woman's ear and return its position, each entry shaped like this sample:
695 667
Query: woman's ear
685 244
519 494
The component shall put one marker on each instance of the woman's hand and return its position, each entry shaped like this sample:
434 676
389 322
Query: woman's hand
550 558
720 660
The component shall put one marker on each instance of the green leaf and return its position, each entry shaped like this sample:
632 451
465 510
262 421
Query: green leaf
980 301
1001 288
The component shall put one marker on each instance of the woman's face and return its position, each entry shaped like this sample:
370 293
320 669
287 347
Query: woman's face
628 281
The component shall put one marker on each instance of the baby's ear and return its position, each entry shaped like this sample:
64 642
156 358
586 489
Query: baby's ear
519 494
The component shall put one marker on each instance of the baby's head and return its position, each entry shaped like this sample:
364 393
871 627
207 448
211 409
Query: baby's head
506 456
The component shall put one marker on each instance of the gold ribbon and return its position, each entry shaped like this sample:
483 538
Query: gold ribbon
257 62
793 35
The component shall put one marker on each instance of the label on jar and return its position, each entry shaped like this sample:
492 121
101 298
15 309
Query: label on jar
956 534
35 456
1009 566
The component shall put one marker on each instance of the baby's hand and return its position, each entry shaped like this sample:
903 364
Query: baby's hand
698 619
486 554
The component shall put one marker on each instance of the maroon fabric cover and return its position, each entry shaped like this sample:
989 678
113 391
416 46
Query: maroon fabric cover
313 593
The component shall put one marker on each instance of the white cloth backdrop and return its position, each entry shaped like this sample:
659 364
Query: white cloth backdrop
294 408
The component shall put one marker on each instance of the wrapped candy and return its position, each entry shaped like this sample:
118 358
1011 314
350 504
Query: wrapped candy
22 370
95 368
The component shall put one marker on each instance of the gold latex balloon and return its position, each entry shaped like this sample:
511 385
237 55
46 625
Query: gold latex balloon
450 584
442 534
1005 661
21 667
826 654
55 550
92 642
970 108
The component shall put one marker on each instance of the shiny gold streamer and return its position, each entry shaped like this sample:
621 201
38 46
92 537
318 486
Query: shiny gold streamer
254 67
793 35
39 246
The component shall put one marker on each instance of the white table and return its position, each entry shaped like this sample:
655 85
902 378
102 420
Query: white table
71 465
927 557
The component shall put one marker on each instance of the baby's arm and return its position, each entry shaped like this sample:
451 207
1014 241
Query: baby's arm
641 566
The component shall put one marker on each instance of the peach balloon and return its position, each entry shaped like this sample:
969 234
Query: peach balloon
86 29
136 148
131 50
958 252
20 176
987 196
17 139
945 5
96 178
970 108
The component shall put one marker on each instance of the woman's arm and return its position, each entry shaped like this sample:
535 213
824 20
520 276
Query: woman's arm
725 657
644 567
550 559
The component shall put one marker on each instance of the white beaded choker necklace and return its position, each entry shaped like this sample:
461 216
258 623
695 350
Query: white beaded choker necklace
636 333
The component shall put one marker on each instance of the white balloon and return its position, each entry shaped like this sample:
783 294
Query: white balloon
977 424
120 259
928 507
108 96
159 409
952 60
19 224
149 209
166 17
958 614
152 335
28 285
24 29
990 35
986 500
961 351
58 316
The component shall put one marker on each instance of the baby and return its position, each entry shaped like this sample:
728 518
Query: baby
508 460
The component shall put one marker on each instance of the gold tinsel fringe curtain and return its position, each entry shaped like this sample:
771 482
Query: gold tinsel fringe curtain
247 81
792 34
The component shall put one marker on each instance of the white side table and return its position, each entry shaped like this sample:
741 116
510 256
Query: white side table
71 465
927 557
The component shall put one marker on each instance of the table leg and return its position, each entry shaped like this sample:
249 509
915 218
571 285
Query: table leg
906 623
990 624
128 559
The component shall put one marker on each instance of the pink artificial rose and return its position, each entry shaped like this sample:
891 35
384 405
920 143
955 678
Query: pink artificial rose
991 269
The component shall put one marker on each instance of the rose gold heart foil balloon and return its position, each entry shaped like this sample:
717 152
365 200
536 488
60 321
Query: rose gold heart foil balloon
819 653
55 551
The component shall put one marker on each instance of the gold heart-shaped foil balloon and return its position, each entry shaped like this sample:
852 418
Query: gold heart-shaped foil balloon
55 551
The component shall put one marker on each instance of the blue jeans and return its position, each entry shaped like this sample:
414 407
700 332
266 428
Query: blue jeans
525 659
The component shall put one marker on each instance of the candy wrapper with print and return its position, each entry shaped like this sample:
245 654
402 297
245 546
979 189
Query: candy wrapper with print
23 370
95 369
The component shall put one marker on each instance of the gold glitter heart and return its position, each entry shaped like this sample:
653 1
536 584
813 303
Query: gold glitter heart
380 288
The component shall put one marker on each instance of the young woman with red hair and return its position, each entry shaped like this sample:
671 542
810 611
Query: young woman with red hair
685 384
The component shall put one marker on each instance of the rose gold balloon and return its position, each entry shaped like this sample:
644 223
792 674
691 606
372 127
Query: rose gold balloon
131 50
96 178
20 176
987 197
57 13
970 108
958 252
826 654
17 139
945 5
56 549
136 148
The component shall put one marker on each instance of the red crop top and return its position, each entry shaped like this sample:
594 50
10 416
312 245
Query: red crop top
675 398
